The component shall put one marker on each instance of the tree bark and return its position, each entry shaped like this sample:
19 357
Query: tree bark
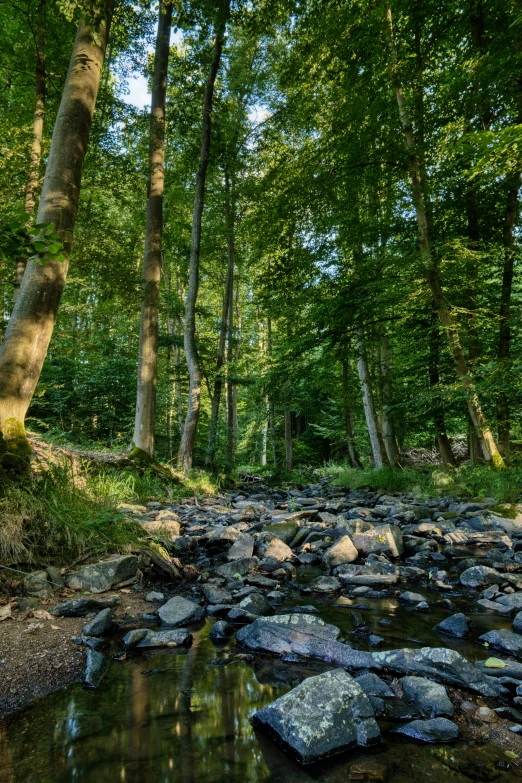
388 430
145 417
289 455
229 459
35 156
487 441
355 462
443 442
30 327
188 436
264 434
367 395
229 288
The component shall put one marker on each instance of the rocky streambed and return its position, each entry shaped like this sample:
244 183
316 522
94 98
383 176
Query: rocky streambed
314 634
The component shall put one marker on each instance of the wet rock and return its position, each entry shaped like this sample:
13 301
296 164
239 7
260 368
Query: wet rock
372 685
435 730
37 584
457 625
306 609
80 607
503 640
256 604
217 595
241 549
179 611
132 638
422 606
517 623
154 596
322 716
325 584
100 625
220 631
493 606
101 576
370 580
506 669
241 567
429 697
174 638
95 666
386 539
478 576
372 769
240 616
411 598
375 641
513 602
340 553
284 634
218 610
262 581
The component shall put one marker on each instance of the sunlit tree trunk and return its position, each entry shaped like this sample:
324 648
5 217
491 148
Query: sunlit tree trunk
229 459
388 430
370 414
355 462
145 417
489 447
31 325
264 434
188 436
33 177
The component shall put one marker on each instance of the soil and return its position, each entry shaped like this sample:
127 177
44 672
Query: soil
37 653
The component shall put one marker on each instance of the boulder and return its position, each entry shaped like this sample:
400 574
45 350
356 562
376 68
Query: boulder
513 602
456 625
100 577
492 606
179 611
242 548
173 638
222 537
162 528
286 531
95 667
325 584
372 685
435 730
269 545
99 625
517 623
220 631
301 634
217 595
382 539
340 553
37 583
255 603
322 716
241 567
479 576
503 640
429 697
80 607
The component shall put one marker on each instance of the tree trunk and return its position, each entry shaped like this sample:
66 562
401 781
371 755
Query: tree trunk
229 288
487 441
264 434
388 431
289 456
188 437
474 449
30 327
443 442
367 395
271 427
145 417
229 460
33 177
355 462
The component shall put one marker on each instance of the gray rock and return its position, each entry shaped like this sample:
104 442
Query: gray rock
173 638
37 584
510 669
80 607
256 604
372 685
512 602
162 528
435 730
99 625
132 638
101 576
411 598
429 697
154 596
503 640
241 567
300 634
384 539
370 580
222 537
493 606
322 716
241 616
95 666
55 577
517 623
178 611
220 631
242 548
325 584
269 545
340 553
455 625
217 595
478 576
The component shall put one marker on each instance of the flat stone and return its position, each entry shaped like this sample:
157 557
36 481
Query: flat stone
101 576
301 634
478 576
492 606
173 638
95 667
513 601
429 697
256 604
217 595
370 580
179 611
99 625
340 553
503 640
242 548
435 730
80 607
322 716
456 625
382 539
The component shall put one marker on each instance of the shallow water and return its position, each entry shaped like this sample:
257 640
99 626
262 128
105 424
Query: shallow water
183 717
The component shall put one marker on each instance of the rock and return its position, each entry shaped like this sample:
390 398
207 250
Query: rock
95 666
99 625
285 531
485 715
284 634
217 595
55 577
370 580
322 716
502 669
435 730
132 638
220 631
411 598
162 528
372 685
80 607
429 697
179 611
503 640
37 584
517 623
269 545
101 576
241 567
372 769
241 616
492 606
154 596
173 638
456 625
385 539
256 604
340 553
375 641
477 576
325 584
423 606
512 602
242 548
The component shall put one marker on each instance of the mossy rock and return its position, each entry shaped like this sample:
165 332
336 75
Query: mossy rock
285 531
506 512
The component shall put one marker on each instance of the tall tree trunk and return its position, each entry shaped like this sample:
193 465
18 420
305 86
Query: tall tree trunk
487 441
289 455
229 459
145 417
35 156
355 462
188 437
443 442
229 288
30 327
264 434
388 430
367 395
